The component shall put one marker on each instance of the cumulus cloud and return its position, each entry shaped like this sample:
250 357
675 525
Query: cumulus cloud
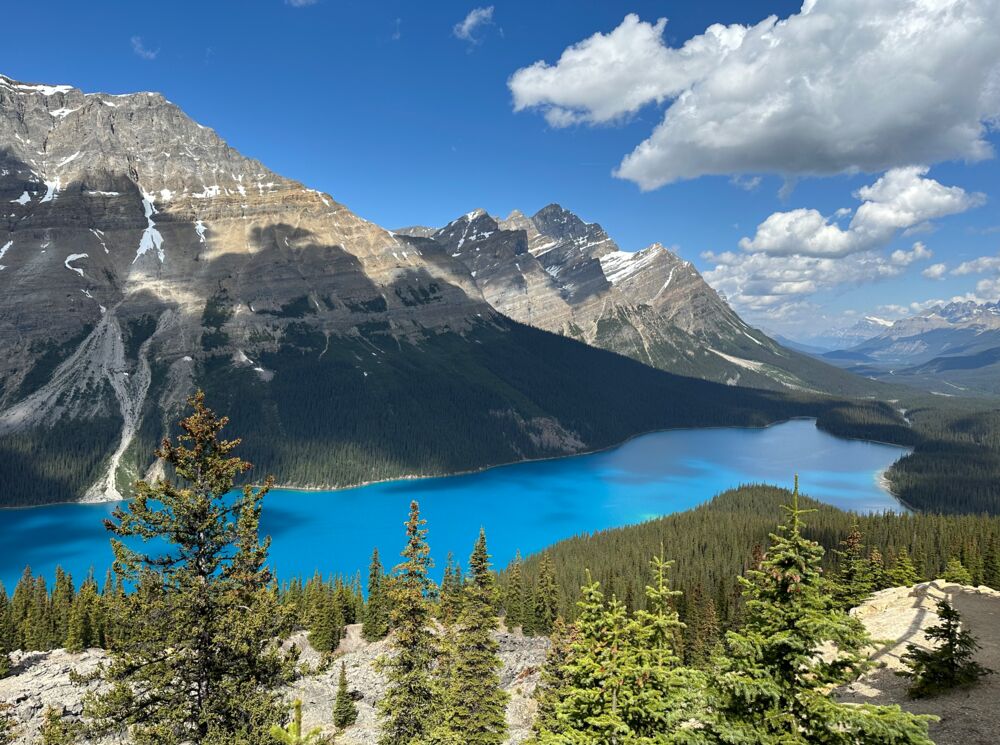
900 199
982 265
935 271
798 253
477 18
141 50
840 86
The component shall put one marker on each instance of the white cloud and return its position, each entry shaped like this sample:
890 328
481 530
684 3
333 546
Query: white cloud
300 3
982 265
397 32
935 271
841 86
477 18
141 51
900 199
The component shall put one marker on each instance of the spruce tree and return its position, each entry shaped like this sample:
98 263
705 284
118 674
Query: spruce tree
292 733
956 572
546 604
878 570
82 632
554 679
949 665
376 613
451 596
514 596
406 706
6 634
327 622
472 711
854 582
194 661
772 686
345 713
902 572
991 563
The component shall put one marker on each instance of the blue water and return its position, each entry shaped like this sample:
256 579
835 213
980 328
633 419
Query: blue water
526 506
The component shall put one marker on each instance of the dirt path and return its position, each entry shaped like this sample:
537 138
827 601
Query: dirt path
968 717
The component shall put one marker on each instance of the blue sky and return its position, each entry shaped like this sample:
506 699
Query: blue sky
387 108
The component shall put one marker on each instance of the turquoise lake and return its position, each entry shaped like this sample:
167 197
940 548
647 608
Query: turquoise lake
526 506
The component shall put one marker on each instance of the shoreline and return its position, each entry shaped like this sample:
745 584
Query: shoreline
880 478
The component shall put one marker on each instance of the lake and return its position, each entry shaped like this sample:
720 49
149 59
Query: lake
526 506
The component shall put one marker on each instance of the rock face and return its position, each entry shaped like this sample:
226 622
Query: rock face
554 271
898 617
40 680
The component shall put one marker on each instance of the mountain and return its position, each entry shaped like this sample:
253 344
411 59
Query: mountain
556 272
141 257
952 349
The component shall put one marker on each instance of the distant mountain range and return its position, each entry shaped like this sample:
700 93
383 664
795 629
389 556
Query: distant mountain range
141 257
951 349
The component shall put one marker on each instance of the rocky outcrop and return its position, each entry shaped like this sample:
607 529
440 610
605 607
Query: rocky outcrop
897 617
41 680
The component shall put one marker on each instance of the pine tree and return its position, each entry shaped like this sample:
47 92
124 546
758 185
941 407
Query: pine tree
58 730
514 596
407 705
949 665
327 626
772 687
345 713
194 659
82 633
6 635
880 579
902 572
546 599
991 563
376 613
473 705
554 680
451 596
854 583
292 733
956 572
62 606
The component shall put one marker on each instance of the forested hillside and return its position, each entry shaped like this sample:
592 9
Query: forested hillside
714 543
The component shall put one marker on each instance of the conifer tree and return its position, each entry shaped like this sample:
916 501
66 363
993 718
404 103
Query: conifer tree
58 730
472 710
956 572
345 713
407 705
991 563
514 596
327 621
292 733
554 679
950 664
878 570
194 661
6 635
376 613
854 582
546 604
902 572
82 632
772 687
451 595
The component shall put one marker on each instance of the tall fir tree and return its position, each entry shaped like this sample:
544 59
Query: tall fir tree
514 596
991 563
376 610
345 713
854 582
772 688
195 660
451 594
902 572
472 710
407 705
6 633
546 605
